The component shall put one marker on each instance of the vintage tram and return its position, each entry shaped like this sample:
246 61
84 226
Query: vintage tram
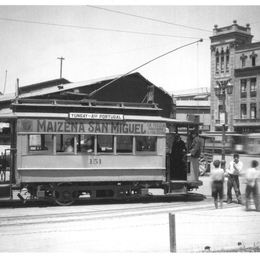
64 150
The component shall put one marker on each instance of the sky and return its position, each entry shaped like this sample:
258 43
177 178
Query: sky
103 40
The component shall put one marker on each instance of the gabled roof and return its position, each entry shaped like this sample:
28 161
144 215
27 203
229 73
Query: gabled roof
63 85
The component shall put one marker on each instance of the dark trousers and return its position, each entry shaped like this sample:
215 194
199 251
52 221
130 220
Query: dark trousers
252 190
217 190
178 170
233 182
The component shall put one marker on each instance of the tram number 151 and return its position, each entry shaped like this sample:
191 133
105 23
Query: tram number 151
94 161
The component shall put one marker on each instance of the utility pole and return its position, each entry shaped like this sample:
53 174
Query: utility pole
17 89
61 60
5 82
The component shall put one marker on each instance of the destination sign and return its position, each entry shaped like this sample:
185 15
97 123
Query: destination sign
96 116
90 127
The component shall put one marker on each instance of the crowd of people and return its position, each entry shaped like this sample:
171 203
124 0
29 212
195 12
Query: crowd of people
220 171
232 172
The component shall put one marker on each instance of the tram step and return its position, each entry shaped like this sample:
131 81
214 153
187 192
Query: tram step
178 187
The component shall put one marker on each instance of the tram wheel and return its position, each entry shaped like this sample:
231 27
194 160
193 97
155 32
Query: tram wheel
64 194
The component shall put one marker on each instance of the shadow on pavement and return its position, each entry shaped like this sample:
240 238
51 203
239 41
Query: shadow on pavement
144 199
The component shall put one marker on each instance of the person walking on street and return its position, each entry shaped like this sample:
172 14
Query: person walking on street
252 174
233 171
217 178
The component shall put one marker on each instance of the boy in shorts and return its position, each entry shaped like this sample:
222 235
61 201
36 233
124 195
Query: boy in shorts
217 178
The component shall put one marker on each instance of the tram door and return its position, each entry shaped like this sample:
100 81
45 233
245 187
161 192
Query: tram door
176 159
7 158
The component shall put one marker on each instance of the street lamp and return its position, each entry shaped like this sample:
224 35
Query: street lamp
223 88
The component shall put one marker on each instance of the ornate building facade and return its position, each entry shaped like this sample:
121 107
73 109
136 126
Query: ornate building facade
235 59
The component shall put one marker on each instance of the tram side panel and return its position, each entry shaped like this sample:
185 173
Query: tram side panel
49 166
89 168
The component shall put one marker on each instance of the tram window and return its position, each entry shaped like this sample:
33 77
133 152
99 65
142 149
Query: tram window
40 143
124 144
146 143
65 143
250 141
86 144
105 142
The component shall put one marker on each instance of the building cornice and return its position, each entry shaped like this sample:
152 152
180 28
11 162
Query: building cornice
248 47
248 71
230 35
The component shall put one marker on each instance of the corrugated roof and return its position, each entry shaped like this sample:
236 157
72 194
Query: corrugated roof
42 85
63 87
45 88
34 92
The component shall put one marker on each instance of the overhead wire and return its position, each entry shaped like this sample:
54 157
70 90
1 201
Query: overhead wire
149 18
94 28
162 55
131 50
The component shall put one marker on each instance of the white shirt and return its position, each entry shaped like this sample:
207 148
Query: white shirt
251 175
217 174
235 168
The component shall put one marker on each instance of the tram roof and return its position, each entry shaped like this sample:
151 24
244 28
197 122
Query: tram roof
8 114
86 106
37 106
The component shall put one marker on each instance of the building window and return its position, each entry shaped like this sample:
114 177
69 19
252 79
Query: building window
253 87
243 63
227 61
243 111
253 58
253 111
222 61
243 88
243 60
217 63
253 61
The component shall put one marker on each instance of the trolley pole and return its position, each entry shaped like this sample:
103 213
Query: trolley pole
172 228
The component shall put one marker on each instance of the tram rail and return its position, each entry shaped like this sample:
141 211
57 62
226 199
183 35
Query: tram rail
94 214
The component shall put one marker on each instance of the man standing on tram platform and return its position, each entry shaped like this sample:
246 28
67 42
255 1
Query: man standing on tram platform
195 150
178 159
234 170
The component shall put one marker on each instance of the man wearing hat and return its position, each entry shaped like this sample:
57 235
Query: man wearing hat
195 150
